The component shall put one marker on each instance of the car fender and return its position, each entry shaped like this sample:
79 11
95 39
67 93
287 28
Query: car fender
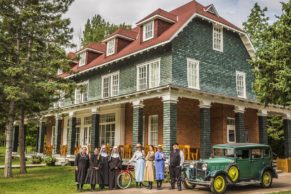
217 172
274 173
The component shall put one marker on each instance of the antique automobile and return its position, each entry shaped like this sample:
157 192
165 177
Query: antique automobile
230 164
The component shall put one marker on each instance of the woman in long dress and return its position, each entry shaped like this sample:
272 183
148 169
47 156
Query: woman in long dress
104 168
115 163
81 165
93 172
149 167
138 158
160 159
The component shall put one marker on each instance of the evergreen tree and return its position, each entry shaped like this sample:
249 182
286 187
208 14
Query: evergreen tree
97 29
32 35
256 25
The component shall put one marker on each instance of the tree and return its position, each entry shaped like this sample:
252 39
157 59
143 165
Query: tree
97 29
256 25
32 35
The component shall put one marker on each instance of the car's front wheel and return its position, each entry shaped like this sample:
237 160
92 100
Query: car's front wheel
218 184
267 179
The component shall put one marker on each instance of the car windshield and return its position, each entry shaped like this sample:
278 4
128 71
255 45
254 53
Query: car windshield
223 152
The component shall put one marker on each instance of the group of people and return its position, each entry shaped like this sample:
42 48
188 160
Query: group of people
102 168
98 168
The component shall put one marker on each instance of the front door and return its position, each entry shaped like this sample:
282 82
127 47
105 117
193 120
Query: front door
244 163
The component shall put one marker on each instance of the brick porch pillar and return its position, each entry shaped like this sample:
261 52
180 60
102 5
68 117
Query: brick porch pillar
262 117
287 135
95 129
205 129
71 134
169 122
240 131
57 135
15 138
41 133
137 133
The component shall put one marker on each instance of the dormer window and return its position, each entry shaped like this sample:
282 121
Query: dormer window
82 60
148 31
110 47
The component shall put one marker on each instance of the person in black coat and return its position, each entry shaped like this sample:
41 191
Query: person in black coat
104 168
115 163
93 172
82 164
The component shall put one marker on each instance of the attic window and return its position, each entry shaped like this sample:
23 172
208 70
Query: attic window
110 47
82 60
148 31
211 9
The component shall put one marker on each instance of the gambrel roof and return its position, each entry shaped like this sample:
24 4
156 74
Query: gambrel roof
180 16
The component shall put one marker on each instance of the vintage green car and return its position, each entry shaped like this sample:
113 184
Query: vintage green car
238 163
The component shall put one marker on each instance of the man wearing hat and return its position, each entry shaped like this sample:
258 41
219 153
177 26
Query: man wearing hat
176 163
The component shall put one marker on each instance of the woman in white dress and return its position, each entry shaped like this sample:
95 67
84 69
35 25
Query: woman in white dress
139 159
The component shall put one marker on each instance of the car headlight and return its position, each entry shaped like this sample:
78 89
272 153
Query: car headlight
204 167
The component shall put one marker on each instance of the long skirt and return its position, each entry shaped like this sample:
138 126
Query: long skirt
160 170
92 176
149 171
139 170
113 178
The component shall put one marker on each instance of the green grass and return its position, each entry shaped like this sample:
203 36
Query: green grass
283 192
46 180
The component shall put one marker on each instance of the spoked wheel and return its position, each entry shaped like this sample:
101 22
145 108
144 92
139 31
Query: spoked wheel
218 184
266 179
124 180
233 173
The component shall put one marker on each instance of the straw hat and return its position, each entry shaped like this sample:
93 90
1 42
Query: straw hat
159 146
138 145
115 147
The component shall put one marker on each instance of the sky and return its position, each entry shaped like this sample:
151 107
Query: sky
131 11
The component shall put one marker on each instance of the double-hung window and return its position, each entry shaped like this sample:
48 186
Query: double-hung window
153 129
82 60
110 47
241 84
110 85
217 38
81 93
148 75
148 31
193 73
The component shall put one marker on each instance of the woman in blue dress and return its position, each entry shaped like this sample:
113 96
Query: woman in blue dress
160 159
139 159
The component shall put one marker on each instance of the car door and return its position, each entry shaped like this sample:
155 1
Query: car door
243 162
257 162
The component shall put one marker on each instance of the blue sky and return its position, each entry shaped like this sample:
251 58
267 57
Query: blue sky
130 11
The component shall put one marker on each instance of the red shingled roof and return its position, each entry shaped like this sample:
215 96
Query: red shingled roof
99 47
162 13
184 13
124 32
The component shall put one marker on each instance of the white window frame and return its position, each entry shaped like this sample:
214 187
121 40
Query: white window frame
214 31
240 73
150 131
149 77
230 127
103 123
110 47
191 75
83 59
110 93
82 99
152 24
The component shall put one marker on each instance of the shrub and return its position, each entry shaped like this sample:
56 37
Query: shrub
50 161
36 159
